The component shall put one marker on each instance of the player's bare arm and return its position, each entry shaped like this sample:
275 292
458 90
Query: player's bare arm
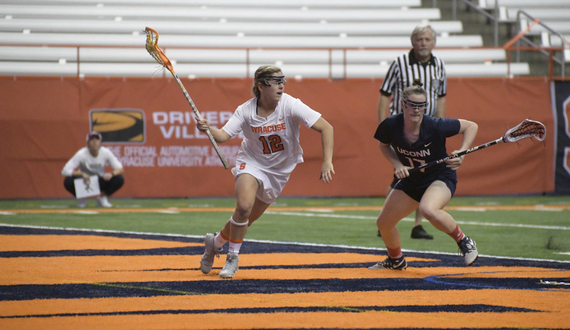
327 139
469 130
219 134
400 171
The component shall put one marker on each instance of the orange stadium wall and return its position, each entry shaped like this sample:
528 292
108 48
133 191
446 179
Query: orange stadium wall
44 121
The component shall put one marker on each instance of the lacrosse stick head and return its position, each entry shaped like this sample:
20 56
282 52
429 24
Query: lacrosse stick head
528 128
155 51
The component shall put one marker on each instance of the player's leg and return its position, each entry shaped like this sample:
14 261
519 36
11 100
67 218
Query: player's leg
246 190
234 230
255 191
431 207
398 205
257 211
432 203
418 231
219 240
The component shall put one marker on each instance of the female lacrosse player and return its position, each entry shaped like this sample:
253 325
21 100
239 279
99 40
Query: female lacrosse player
268 154
410 139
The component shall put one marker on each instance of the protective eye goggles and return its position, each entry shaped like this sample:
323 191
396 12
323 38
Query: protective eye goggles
415 105
275 80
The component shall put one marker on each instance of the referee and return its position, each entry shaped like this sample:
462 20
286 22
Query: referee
418 64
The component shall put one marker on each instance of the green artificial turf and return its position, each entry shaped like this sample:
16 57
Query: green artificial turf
511 233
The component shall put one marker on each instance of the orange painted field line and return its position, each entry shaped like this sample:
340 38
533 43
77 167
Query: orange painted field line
285 209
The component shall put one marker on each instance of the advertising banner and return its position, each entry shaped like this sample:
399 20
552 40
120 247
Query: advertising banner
148 124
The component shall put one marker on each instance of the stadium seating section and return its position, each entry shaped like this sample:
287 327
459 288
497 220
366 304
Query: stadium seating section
553 13
229 38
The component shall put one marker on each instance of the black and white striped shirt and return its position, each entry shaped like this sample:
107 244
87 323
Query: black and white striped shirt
402 73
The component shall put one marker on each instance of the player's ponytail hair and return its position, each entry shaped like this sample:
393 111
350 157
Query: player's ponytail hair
261 74
416 88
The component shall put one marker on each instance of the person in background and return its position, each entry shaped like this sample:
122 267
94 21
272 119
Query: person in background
410 139
419 64
269 152
92 160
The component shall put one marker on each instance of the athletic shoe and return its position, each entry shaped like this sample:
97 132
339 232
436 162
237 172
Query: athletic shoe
81 202
231 266
468 250
210 252
418 232
397 264
103 202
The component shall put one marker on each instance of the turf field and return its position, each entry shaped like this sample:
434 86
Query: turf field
304 266
519 226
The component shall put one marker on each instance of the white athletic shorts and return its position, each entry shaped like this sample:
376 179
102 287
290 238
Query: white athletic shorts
270 184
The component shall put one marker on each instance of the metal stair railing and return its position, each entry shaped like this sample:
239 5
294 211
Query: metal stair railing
495 19
521 37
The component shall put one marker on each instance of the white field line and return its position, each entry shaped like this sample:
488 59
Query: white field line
54 206
268 242
362 217
85 212
168 211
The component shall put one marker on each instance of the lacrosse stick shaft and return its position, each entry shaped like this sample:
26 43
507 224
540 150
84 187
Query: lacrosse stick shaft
157 53
464 152
193 106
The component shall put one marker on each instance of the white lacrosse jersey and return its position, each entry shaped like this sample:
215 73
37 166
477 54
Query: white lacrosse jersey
89 164
271 143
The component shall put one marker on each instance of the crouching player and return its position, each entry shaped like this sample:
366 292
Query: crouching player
410 139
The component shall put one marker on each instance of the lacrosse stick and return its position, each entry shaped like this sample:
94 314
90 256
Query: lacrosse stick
527 129
157 53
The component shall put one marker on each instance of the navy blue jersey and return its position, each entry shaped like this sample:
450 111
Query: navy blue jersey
430 146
